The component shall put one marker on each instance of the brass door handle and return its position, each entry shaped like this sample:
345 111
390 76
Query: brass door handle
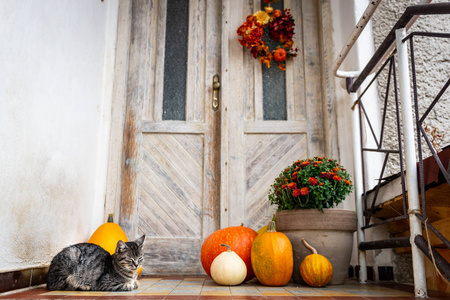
215 93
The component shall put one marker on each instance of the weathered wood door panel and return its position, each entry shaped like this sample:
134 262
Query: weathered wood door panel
184 178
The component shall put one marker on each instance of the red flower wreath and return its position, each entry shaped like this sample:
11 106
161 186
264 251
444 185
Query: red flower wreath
281 29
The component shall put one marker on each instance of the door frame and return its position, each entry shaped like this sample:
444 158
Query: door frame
121 188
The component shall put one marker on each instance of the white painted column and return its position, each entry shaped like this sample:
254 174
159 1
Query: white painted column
420 285
357 165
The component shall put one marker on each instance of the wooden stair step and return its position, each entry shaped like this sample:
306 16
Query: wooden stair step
438 204
443 226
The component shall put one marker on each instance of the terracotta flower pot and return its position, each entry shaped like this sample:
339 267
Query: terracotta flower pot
330 232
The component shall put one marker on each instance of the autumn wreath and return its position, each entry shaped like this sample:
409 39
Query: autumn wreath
281 29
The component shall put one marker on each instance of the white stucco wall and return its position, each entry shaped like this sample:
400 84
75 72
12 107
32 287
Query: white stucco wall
56 67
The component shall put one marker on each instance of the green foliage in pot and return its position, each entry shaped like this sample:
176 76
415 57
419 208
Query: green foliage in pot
311 183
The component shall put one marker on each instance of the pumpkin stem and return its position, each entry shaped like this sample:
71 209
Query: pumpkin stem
309 246
111 218
271 227
225 245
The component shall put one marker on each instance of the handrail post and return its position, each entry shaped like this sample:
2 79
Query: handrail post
357 162
420 285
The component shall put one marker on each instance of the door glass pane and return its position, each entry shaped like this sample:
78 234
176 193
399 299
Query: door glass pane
274 80
175 60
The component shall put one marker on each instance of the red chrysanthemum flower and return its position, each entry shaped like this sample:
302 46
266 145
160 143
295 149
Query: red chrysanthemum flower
292 186
337 178
305 163
313 181
296 192
304 191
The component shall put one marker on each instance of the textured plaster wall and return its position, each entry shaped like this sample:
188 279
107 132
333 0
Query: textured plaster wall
433 70
56 63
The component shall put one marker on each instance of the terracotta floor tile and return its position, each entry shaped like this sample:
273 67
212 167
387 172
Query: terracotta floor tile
215 297
181 297
198 287
245 297
282 297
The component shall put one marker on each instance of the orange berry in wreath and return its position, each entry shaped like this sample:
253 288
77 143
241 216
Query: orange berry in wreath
277 13
279 55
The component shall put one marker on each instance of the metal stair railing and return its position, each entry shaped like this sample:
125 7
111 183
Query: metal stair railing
412 210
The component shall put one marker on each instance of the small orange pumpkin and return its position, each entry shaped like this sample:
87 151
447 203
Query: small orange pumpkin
268 9
239 238
272 257
277 13
107 235
316 270
280 55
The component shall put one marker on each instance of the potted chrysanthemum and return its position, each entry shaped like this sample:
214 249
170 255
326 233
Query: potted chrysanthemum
306 194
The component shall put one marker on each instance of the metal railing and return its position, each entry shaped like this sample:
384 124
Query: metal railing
405 148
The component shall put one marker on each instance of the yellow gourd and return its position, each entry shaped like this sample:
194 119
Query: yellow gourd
264 228
228 268
107 235
316 270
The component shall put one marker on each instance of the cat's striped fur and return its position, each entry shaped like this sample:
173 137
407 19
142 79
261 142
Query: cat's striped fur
89 267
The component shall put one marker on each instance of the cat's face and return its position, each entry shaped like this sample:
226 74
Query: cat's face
130 255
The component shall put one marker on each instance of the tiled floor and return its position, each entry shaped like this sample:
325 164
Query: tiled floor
187 288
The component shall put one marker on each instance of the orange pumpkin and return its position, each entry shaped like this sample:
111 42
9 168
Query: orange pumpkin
280 55
107 235
316 270
239 238
272 257
277 13
268 9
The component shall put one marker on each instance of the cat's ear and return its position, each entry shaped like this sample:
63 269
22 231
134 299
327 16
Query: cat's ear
140 241
121 246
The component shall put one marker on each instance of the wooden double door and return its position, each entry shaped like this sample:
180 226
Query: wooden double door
191 168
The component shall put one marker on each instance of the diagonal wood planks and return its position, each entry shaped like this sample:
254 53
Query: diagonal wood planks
171 185
266 156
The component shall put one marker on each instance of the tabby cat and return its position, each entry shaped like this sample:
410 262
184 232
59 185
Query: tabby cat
88 267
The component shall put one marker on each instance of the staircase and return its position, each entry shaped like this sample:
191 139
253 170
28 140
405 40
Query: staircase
437 193
417 222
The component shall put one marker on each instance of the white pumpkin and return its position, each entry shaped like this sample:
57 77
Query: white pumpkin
228 268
